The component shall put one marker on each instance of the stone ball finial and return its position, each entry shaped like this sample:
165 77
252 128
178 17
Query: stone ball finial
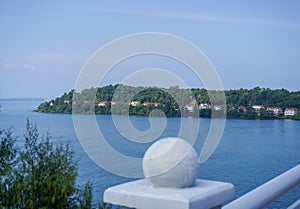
171 162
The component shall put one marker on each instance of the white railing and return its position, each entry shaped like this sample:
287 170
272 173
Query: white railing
268 192
296 205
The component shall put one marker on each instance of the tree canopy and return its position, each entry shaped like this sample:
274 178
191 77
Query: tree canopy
40 174
172 101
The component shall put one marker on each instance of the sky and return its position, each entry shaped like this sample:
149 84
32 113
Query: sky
44 45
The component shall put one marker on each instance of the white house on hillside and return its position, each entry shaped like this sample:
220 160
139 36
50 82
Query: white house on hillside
156 104
217 107
243 108
67 101
204 106
290 111
102 104
275 110
190 107
134 103
258 107
113 102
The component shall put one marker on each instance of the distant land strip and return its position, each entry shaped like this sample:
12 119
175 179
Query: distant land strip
256 103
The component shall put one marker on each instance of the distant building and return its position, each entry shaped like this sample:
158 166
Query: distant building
146 103
190 107
51 103
149 103
258 108
156 104
231 107
218 107
204 106
102 104
67 102
113 102
134 103
276 110
290 111
243 108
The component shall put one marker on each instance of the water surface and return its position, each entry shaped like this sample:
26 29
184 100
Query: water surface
251 152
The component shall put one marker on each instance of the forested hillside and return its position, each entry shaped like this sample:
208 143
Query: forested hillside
121 99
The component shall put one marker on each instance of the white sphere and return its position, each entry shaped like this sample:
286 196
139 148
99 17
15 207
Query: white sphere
171 162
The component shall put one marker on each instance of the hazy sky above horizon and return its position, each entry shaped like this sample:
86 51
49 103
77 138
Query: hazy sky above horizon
44 45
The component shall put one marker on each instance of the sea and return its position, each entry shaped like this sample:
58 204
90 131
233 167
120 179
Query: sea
250 153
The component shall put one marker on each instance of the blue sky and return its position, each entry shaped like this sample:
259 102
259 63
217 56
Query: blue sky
44 44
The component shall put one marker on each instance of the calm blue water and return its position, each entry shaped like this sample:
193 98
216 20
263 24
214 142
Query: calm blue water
250 152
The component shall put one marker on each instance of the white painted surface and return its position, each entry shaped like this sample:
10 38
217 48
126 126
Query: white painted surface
295 205
141 194
171 162
263 195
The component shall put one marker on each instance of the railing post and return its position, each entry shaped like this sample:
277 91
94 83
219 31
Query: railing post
175 188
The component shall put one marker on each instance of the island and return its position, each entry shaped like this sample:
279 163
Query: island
256 103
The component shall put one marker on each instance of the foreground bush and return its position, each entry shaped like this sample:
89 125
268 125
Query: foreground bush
40 175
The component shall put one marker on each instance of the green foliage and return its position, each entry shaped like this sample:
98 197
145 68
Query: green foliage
264 96
46 173
8 152
41 175
7 162
205 113
171 101
296 117
86 197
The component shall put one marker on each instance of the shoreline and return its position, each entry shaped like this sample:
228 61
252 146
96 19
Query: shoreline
56 113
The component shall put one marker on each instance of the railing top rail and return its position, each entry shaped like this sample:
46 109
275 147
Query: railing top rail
295 205
268 192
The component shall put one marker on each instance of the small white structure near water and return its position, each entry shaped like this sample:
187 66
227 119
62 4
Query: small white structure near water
290 111
171 168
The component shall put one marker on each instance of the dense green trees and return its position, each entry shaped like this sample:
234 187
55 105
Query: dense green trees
40 174
264 96
7 163
171 101
296 117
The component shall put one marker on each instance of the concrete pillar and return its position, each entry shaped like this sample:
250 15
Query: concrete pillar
141 194
171 167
